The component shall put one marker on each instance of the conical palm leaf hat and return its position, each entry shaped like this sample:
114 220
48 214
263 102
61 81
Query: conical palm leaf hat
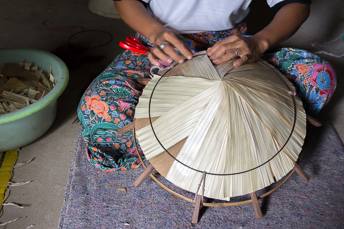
242 129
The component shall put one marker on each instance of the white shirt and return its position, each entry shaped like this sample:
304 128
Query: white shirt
189 16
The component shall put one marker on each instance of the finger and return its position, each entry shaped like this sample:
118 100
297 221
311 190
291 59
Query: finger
227 57
153 60
220 51
230 39
239 48
161 55
179 45
171 52
227 48
244 58
214 49
237 63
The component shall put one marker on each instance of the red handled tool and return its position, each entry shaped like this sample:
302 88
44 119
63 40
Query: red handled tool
133 44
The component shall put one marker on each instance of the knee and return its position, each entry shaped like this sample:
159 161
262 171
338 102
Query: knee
320 85
324 78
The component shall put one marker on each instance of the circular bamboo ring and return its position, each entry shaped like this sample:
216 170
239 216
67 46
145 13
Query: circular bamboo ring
212 204
274 186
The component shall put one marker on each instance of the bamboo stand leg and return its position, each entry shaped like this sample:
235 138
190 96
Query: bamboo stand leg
256 206
198 201
314 121
146 173
197 209
300 172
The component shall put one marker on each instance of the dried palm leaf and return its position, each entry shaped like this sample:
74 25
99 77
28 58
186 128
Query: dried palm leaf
241 127
22 84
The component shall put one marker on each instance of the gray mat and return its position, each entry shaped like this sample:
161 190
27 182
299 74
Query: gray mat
95 199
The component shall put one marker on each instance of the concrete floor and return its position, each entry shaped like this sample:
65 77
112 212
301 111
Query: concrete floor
49 25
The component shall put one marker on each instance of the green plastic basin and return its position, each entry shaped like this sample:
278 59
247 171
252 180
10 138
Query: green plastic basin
22 127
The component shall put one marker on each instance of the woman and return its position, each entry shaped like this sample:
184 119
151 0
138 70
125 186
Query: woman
174 30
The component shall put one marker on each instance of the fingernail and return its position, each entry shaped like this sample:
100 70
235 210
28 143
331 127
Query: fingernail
189 57
181 61
164 63
169 60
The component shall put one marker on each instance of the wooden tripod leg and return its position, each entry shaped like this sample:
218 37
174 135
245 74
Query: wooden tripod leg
198 201
197 209
314 121
256 206
148 171
300 172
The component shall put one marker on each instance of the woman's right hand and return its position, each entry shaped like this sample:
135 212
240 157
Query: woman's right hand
140 19
168 48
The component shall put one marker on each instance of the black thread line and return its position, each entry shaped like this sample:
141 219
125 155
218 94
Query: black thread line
220 174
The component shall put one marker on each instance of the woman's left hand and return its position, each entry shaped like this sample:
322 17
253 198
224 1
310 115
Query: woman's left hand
238 48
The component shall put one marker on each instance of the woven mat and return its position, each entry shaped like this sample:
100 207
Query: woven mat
95 199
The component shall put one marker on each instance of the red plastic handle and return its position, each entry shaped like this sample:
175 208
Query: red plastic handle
134 45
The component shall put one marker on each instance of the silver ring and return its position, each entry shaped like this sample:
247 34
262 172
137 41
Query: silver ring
163 45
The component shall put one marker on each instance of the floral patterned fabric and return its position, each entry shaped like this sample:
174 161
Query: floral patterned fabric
108 105
109 102
313 77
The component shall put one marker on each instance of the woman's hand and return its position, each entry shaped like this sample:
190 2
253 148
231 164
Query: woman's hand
140 19
238 48
242 49
168 48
